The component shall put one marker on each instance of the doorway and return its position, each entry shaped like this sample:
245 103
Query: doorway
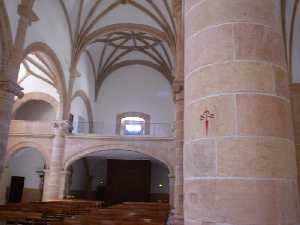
16 189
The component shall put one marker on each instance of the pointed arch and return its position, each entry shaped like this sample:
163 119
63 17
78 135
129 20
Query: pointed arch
81 94
52 58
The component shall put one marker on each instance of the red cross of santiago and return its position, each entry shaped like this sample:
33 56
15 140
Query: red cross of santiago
205 117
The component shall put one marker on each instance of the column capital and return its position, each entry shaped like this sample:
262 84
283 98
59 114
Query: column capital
178 86
25 11
11 87
61 126
178 90
74 72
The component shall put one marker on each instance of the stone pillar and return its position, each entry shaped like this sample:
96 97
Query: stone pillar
178 198
64 182
295 100
46 175
54 176
179 100
239 167
171 190
8 90
3 185
8 87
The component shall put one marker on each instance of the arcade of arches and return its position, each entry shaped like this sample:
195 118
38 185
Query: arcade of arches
191 102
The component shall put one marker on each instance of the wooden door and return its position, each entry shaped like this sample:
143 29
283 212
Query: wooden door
127 180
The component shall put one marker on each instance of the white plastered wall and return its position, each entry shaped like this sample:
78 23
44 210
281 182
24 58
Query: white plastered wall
25 163
134 89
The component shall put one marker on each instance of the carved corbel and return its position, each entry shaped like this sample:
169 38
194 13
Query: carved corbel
11 87
25 11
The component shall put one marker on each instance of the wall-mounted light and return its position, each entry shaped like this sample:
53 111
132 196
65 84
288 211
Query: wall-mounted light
160 185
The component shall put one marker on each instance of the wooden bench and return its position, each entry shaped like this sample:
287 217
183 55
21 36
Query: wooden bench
45 212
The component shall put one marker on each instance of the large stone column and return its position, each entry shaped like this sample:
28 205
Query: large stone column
54 179
9 73
239 167
8 90
295 101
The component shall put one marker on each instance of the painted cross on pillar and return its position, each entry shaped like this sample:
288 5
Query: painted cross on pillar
205 117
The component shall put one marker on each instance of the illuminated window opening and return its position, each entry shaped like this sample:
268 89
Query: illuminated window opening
133 126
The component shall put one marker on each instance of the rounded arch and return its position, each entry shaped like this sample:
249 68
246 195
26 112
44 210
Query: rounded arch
81 94
12 151
99 148
59 74
36 96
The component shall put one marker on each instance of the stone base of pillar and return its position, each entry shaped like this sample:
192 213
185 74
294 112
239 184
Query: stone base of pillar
178 220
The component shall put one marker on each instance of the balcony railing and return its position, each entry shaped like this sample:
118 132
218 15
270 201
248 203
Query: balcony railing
30 127
100 128
109 129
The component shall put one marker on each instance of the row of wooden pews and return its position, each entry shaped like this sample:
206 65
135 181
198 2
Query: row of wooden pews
84 213
128 213
44 213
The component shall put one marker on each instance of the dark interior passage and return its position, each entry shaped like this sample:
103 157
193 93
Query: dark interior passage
118 179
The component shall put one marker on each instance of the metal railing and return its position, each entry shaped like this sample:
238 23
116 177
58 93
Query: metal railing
109 129
100 128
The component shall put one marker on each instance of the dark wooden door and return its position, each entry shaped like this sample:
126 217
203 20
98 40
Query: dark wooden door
127 180
16 189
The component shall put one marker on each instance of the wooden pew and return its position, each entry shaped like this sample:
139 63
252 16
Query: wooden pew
45 212
129 214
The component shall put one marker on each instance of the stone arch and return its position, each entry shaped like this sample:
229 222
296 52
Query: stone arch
120 27
166 74
99 148
12 151
130 27
59 74
36 96
82 95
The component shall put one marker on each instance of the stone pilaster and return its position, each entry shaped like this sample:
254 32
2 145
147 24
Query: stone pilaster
54 176
179 100
239 154
171 190
64 182
178 199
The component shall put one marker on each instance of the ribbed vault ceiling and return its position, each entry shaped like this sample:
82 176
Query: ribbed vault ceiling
119 33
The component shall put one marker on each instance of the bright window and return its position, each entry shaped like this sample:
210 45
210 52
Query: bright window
133 126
